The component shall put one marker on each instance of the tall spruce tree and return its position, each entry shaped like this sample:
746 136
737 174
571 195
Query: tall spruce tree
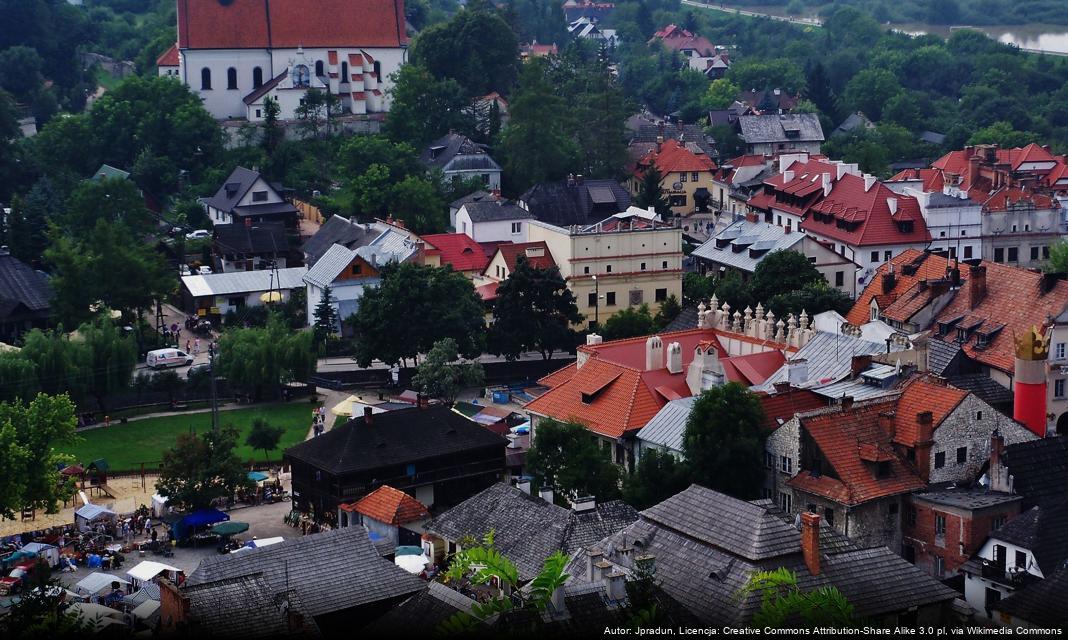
326 320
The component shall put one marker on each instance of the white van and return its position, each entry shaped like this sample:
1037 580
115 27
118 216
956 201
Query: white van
163 358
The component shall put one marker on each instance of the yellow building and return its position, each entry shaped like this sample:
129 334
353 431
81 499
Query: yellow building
685 175
626 260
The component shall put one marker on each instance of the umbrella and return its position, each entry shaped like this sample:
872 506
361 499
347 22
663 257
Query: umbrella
345 407
257 476
229 528
412 564
271 296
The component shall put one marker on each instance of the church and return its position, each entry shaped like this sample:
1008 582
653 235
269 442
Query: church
235 54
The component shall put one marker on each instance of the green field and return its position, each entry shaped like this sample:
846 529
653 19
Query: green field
126 446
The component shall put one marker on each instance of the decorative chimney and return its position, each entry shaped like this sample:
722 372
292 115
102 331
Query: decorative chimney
847 403
973 169
886 422
617 586
368 416
654 353
869 182
524 487
810 541
976 285
705 371
673 359
593 558
889 280
1029 383
787 176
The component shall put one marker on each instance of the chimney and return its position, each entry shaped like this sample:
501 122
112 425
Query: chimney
617 586
593 339
892 203
524 486
546 495
976 285
858 365
1000 480
973 169
654 353
674 358
825 182
583 504
789 226
781 387
889 280
423 401
751 216
248 223
886 422
368 416
602 569
840 169
556 600
593 559
869 182
787 176
925 420
797 371
173 607
847 403
810 541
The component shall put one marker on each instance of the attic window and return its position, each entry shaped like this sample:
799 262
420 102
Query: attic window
882 469
591 393
435 152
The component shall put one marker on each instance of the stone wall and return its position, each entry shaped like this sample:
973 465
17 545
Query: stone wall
970 425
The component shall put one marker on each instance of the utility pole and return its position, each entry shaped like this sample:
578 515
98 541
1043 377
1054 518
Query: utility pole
214 397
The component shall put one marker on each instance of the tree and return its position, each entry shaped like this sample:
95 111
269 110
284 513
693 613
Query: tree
696 288
780 272
629 323
272 131
263 435
476 48
111 199
870 90
781 73
418 201
1004 135
534 311
535 145
316 112
326 320
29 434
27 231
657 476
262 360
651 194
21 70
669 310
57 361
441 375
425 106
818 90
568 458
724 441
110 357
720 94
202 468
1058 258
414 307
784 604
18 377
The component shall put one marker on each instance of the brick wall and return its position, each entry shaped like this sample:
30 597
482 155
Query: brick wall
965 533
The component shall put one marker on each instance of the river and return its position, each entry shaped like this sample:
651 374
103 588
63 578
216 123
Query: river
1039 38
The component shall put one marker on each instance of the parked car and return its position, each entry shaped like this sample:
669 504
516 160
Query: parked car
204 270
202 368
12 582
199 234
183 270
163 358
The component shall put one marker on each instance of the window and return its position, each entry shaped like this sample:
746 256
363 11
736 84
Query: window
231 78
1045 253
693 176
259 196
237 302
963 232
978 415
1059 351
378 70
1014 228
999 255
887 255
998 522
874 313
967 252
786 464
1021 559
608 268
769 459
1034 253
678 201
939 566
828 515
517 227
1014 254
962 455
643 266
319 68
257 77
1058 388
786 501
610 298
259 113
661 295
682 177
345 72
591 300
874 256
940 525
205 79
663 265
839 278
910 516
357 269
941 234
940 459
585 270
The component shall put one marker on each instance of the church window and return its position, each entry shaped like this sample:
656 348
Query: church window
345 72
257 77
319 68
205 78
231 78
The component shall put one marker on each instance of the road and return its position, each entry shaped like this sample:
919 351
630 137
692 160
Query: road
173 315
807 22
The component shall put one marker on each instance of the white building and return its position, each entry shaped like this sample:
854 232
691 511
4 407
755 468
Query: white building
214 295
246 198
954 220
493 220
236 53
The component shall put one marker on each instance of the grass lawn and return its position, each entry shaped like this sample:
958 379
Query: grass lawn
126 446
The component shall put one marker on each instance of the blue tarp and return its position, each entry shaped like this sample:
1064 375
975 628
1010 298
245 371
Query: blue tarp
204 517
257 476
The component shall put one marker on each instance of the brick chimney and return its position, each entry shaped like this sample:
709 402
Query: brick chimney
810 541
858 365
889 280
422 401
368 416
847 403
173 607
886 422
976 285
924 442
973 169
752 216
789 225
999 473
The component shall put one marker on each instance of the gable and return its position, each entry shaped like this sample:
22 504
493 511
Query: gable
357 269
259 187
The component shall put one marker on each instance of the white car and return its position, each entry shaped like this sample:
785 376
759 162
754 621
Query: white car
204 271
183 270
199 234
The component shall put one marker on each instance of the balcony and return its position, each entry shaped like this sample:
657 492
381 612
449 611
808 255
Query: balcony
1015 577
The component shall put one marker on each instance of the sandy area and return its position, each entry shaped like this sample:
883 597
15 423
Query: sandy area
129 495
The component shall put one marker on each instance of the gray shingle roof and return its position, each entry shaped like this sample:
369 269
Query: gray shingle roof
773 128
943 358
452 151
687 319
876 581
829 357
743 244
668 426
389 246
1044 604
563 205
1039 469
339 230
263 237
1041 530
244 607
331 571
21 285
983 386
421 614
233 189
471 197
494 210
396 437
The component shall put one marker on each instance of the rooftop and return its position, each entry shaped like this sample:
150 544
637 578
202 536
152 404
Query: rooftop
1040 530
743 244
1039 469
458 250
773 128
236 282
976 499
245 607
343 231
674 156
862 211
390 506
261 237
575 201
537 254
21 286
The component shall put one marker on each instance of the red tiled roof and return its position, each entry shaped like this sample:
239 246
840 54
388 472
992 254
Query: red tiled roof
923 393
932 179
458 250
781 407
625 396
849 202
542 259
674 156
932 267
169 58
852 442
679 39
488 291
245 24
390 506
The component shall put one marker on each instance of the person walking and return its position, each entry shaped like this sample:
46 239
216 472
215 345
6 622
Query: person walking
196 347
188 346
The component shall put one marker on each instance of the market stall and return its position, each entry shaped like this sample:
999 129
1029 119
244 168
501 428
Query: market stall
48 552
96 582
92 515
148 570
197 522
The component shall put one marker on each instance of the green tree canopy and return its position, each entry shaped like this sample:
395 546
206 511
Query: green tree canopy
443 376
720 94
264 436
651 194
426 106
629 323
870 90
476 48
114 200
261 360
201 468
110 358
29 434
534 311
724 441
568 458
782 272
657 476
414 307
785 605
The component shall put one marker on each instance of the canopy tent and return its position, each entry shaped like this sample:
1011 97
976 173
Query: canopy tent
47 551
96 614
73 470
148 591
159 505
271 297
148 569
230 528
96 582
185 527
353 406
146 609
257 476
412 564
85 516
